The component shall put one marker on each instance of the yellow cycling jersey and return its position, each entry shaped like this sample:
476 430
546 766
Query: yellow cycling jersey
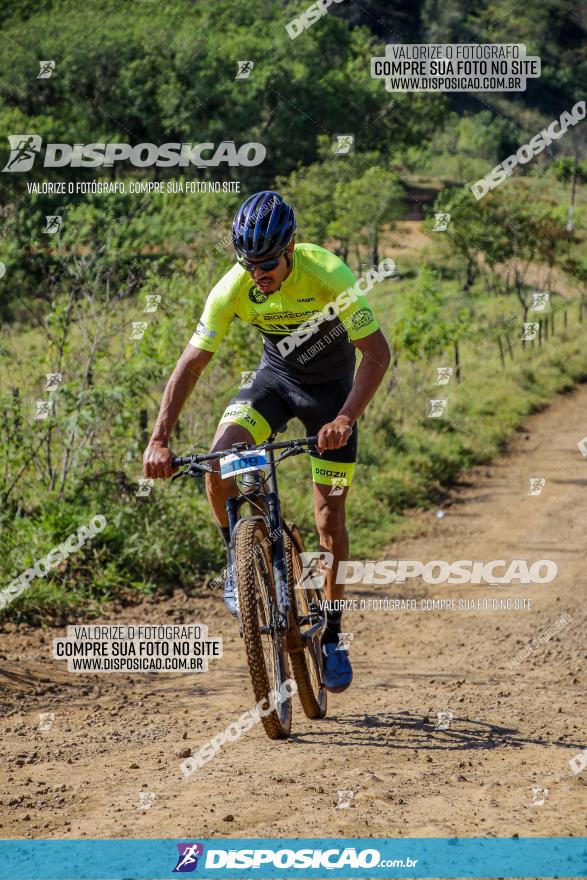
317 278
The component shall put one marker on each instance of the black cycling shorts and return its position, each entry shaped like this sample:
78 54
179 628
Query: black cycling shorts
267 400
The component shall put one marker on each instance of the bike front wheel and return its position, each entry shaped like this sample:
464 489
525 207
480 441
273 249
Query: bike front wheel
264 645
305 601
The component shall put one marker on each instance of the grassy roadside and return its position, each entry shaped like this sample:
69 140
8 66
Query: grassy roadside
407 460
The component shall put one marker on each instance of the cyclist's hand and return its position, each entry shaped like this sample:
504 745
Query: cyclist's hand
157 460
335 434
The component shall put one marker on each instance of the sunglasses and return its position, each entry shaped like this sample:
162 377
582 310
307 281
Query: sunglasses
265 265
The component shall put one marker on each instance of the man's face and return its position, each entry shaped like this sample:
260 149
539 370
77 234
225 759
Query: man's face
270 281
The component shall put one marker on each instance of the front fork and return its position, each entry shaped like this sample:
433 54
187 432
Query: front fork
270 500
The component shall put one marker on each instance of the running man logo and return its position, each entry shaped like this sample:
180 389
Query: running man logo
529 332
539 796
445 718
54 380
578 762
343 144
436 408
53 223
187 860
536 485
443 375
244 69
344 799
46 68
247 378
344 641
46 720
153 301
23 149
540 301
146 799
441 222
45 409
145 487
138 329
313 569
338 486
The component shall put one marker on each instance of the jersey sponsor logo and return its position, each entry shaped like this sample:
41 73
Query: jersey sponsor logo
257 296
271 327
361 318
202 330
308 299
326 472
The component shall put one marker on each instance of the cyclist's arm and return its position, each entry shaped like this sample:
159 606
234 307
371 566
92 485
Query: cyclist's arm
179 387
373 366
212 327
372 369
157 457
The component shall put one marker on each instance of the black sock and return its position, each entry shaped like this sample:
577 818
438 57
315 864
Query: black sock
225 532
333 624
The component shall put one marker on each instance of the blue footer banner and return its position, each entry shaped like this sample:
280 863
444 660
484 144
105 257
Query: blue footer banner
299 857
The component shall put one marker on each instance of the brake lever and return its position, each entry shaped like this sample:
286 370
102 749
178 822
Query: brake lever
204 468
194 470
287 453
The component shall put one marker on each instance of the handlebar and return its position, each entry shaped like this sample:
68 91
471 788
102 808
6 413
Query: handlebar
244 447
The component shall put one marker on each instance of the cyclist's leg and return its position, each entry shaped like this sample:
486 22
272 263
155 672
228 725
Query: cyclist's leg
332 473
251 416
217 489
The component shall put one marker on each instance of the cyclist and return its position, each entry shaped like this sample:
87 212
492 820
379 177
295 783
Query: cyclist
276 285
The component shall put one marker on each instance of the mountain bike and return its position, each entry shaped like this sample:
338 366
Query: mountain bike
278 600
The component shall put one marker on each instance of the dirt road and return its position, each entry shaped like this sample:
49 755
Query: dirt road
513 730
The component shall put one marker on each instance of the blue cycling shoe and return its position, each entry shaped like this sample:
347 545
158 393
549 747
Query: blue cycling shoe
337 669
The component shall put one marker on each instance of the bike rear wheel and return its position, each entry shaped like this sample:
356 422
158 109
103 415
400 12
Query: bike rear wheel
264 646
304 599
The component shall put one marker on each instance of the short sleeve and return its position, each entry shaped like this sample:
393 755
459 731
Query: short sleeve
357 317
218 314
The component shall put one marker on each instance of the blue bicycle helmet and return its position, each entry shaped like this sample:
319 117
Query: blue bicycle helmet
263 226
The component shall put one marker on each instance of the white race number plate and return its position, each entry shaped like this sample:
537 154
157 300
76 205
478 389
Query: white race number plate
242 462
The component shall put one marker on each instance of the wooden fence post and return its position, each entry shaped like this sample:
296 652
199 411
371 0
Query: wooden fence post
457 361
509 342
501 356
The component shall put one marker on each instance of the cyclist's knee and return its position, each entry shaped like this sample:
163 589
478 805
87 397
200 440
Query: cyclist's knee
228 434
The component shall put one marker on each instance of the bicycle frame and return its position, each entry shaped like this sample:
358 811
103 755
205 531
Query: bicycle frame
269 503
